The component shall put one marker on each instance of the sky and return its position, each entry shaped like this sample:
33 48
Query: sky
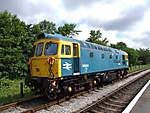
119 20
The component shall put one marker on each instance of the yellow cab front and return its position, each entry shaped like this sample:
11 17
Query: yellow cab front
46 59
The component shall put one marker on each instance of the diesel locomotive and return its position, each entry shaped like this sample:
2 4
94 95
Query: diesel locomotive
63 65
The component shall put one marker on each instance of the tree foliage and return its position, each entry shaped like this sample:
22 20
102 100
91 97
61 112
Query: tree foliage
96 37
119 45
144 56
133 56
43 27
68 30
14 46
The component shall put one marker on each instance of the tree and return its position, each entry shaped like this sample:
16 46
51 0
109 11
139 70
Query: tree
68 30
15 46
133 56
119 45
44 27
95 37
144 56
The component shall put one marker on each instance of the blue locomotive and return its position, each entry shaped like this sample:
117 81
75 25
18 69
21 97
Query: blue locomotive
62 65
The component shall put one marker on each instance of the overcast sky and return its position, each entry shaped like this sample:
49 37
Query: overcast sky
119 20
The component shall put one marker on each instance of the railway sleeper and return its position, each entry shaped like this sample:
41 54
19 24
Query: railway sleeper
116 97
113 105
127 93
120 102
94 111
106 108
131 88
125 98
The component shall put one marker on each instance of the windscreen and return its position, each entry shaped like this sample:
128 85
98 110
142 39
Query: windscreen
51 48
39 49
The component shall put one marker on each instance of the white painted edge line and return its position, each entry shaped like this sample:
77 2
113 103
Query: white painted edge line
136 98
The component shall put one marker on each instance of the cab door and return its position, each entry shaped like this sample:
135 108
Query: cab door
76 62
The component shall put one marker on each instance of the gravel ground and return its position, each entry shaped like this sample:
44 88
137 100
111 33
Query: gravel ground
77 103
13 110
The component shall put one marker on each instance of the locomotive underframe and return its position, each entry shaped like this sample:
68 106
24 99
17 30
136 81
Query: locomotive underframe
59 87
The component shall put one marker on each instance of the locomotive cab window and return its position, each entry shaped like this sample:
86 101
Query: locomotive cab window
68 50
123 57
75 50
51 48
62 50
39 49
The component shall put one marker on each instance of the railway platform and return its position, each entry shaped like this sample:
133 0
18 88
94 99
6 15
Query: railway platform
141 102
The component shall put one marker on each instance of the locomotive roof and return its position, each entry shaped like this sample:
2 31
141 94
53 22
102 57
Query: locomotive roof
84 44
56 36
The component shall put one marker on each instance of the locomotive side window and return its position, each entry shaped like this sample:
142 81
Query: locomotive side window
68 50
116 56
39 49
62 50
51 48
110 56
91 54
102 56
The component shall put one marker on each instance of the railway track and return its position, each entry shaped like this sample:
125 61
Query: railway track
116 101
20 103
37 103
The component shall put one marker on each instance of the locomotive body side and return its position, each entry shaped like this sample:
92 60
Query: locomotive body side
98 59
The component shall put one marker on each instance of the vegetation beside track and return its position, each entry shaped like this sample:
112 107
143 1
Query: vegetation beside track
138 68
10 91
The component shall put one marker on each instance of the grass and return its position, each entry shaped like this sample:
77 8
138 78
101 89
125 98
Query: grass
10 91
138 67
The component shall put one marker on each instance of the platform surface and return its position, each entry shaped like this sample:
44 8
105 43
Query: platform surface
143 104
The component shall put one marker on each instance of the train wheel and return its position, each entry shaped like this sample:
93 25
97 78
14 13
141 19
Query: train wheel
52 91
51 94
122 73
118 75
99 82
